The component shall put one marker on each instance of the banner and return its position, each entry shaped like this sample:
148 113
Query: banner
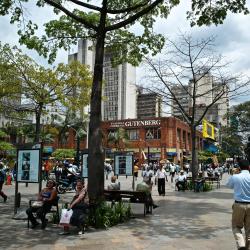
207 130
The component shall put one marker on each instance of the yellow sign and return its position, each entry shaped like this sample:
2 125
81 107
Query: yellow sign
207 130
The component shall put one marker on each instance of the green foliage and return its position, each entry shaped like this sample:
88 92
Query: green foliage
4 146
119 138
233 137
214 12
61 154
190 185
120 15
107 215
221 156
204 156
207 186
67 85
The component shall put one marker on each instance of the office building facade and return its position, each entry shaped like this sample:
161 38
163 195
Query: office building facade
119 90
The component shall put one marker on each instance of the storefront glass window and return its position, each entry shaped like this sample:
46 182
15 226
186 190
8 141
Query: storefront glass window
153 133
133 134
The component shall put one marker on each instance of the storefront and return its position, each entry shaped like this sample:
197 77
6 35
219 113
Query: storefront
153 139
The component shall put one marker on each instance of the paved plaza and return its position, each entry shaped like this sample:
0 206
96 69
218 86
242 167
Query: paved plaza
184 220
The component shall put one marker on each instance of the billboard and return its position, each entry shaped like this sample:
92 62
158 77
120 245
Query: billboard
123 163
208 130
28 165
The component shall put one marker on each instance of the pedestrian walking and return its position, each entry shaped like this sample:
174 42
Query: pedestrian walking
2 177
136 169
172 170
241 207
161 175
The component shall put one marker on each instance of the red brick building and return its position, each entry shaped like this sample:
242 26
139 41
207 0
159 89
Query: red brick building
158 138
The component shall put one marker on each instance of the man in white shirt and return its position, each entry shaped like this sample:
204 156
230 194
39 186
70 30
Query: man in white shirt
114 185
172 171
161 175
181 181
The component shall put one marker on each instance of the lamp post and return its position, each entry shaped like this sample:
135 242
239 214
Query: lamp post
77 145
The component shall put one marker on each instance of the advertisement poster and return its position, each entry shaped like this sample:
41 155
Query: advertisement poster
85 165
28 165
124 165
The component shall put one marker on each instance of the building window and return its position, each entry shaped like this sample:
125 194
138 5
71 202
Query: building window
111 133
178 134
153 133
133 134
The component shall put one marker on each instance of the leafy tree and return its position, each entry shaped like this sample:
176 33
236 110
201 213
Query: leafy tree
42 87
118 138
204 156
193 67
240 118
234 136
9 84
61 153
4 146
107 22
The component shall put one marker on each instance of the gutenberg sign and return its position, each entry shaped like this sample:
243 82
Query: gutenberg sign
136 123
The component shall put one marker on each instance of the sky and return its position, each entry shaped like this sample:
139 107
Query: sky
232 38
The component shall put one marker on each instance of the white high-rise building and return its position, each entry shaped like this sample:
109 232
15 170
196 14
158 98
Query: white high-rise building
119 89
206 90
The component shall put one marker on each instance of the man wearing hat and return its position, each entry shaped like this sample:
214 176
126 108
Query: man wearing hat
181 180
146 186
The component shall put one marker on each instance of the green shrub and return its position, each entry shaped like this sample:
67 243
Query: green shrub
190 185
107 215
207 186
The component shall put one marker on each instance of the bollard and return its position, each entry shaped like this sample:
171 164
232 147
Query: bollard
18 200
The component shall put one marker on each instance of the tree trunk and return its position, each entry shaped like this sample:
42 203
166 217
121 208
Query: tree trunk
38 123
194 163
95 157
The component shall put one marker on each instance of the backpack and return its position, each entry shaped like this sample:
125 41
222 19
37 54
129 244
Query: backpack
2 176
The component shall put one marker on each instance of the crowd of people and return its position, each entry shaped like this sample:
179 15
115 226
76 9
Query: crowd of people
162 172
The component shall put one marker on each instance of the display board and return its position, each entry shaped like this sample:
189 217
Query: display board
123 164
28 165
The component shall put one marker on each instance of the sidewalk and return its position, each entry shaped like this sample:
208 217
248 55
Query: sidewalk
184 221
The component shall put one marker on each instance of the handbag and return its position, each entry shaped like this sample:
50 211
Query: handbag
65 217
37 204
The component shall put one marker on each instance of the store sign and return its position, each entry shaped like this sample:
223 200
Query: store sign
208 130
136 123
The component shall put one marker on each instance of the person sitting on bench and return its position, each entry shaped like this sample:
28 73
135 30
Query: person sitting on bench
47 198
114 185
146 186
80 206
199 182
181 181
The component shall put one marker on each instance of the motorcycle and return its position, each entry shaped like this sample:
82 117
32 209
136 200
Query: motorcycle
68 184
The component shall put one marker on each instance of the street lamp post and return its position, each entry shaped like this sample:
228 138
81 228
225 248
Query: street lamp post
77 146
77 149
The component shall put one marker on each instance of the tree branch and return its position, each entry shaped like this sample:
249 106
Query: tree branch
70 14
86 5
129 9
134 17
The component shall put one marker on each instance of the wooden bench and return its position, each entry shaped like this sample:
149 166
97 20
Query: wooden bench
133 196
54 210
